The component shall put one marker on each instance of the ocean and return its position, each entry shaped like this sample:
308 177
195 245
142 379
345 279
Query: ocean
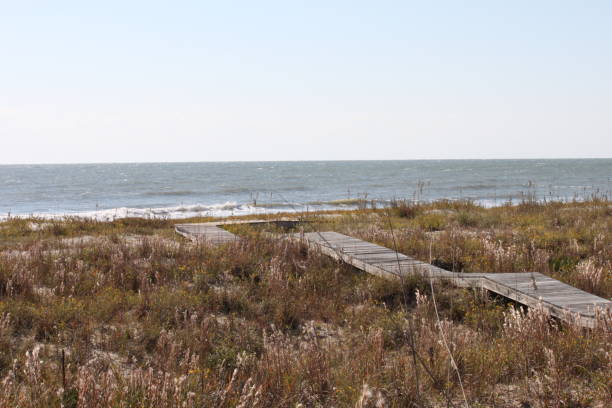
179 190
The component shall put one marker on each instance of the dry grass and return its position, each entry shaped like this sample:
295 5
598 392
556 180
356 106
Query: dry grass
147 319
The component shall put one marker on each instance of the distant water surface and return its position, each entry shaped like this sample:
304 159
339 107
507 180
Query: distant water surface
176 190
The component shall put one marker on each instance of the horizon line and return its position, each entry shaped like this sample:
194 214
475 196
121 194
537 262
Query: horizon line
299 161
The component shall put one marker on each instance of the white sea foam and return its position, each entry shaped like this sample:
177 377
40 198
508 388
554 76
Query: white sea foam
182 211
226 209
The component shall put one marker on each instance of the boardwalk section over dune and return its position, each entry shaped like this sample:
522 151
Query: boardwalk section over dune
213 234
368 257
205 232
531 289
560 299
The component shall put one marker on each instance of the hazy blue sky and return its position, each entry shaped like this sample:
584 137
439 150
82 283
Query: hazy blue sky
84 81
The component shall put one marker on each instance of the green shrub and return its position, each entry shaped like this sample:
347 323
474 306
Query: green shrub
432 222
468 219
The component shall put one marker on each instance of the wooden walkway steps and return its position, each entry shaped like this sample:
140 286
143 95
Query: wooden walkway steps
531 289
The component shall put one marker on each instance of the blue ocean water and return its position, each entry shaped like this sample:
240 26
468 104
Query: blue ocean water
176 190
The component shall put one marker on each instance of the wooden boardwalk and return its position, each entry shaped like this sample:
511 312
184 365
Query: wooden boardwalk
213 234
531 289
206 232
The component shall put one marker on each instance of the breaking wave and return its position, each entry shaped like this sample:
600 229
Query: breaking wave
226 209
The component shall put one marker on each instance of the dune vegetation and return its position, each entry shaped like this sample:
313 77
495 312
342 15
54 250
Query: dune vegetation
129 314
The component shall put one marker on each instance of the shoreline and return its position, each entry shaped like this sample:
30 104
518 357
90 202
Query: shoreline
233 209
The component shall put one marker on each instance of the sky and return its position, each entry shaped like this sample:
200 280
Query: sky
149 81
